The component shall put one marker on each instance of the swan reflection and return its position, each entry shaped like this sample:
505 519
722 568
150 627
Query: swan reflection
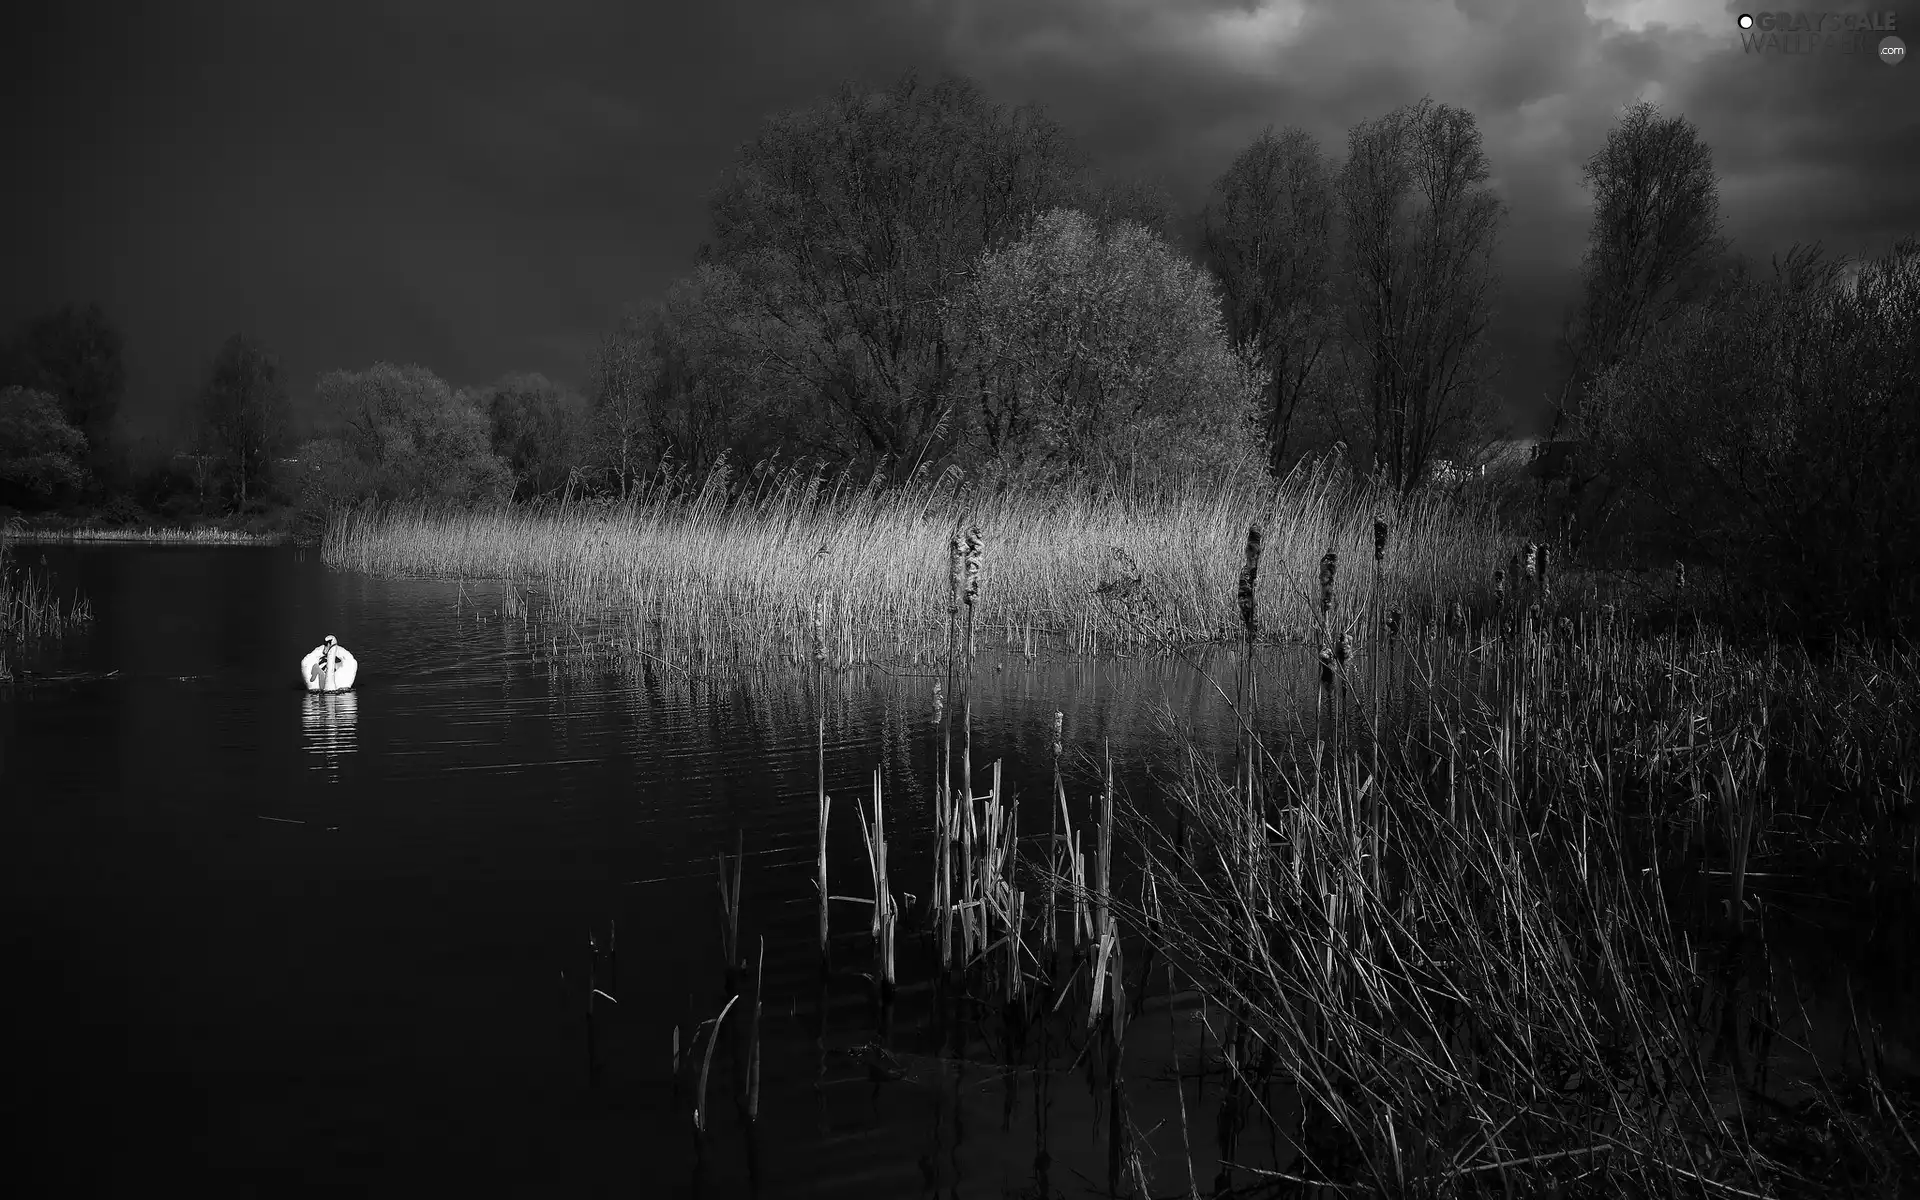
329 720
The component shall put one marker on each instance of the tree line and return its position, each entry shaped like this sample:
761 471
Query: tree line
919 279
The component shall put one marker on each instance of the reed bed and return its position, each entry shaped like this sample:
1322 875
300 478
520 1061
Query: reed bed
30 611
1489 926
1508 945
761 573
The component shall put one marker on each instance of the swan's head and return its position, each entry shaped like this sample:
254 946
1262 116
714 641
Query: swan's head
328 641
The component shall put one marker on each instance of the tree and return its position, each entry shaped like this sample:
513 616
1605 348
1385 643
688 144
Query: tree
411 435
75 354
1095 353
1114 200
1267 234
625 370
332 475
40 451
539 428
1654 242
1770 429
1421 227
244 409
853 222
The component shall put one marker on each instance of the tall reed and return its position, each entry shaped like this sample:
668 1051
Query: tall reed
731 575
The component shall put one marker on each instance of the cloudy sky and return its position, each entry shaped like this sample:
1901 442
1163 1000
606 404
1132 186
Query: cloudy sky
482 187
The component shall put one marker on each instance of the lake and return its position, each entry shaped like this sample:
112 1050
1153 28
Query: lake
278 936
275 941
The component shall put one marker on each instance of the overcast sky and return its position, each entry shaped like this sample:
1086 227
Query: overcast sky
482 187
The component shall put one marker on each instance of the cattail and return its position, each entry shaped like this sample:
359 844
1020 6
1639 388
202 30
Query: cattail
956 560
1249 574
1343 649
1542 555
1326 664
1393 624
820 628
1499 590
1679 576
973 566
1329 563
1456 616
1379 538
1533 561
939 700
1057 721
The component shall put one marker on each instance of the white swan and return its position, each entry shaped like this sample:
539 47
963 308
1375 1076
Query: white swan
328 667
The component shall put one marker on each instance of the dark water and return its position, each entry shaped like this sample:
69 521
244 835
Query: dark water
284 940
275 942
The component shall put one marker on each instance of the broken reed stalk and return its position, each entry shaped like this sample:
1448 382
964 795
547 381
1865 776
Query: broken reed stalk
825 805
593 987
1374 618
1050 934
943 844
1106 934
943 811
1250 622
730 906
964 821
706 1064
1179 1085
753 1043
885 911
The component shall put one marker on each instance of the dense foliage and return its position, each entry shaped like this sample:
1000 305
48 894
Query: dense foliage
920 280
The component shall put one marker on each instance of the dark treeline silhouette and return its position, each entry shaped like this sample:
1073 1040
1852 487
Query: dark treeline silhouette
918 279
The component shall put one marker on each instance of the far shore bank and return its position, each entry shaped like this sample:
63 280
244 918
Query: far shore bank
268 529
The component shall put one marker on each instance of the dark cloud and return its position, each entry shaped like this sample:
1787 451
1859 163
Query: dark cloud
482 187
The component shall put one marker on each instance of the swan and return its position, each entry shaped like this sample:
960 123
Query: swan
328 667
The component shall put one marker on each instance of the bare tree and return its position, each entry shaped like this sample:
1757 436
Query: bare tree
854 221
244 410
1421 227
1267 234
1654 241
625 370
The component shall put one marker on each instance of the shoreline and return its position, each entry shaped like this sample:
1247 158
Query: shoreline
90 531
